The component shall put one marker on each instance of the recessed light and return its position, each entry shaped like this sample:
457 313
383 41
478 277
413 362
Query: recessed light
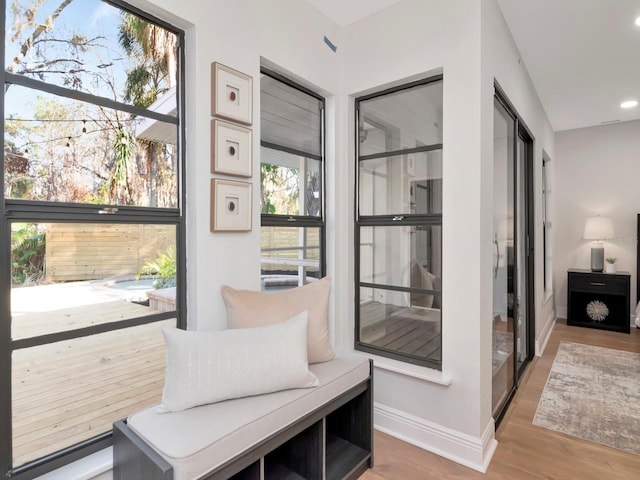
629 104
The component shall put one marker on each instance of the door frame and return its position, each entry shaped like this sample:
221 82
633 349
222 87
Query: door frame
521 131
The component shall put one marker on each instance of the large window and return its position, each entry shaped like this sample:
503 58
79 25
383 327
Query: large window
399 223
92 224
291 183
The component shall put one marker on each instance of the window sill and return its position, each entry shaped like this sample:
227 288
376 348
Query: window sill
88 468
415 371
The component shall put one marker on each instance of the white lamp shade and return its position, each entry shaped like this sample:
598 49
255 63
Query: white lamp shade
598 228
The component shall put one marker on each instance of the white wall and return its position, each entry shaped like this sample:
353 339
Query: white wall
597 172
502 63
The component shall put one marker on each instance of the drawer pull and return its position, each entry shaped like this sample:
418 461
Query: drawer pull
597 284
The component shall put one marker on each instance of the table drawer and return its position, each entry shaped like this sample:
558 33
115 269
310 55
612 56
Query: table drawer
598 282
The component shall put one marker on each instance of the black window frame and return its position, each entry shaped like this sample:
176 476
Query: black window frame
31 211
391 220
301 221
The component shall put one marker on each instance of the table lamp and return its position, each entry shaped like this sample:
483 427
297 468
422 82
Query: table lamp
598 229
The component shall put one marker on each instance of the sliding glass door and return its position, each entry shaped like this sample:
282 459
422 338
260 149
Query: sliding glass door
512 256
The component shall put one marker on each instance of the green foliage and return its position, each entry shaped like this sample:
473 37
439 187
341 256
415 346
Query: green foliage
612 260
27 255
279 189
123 152
162 269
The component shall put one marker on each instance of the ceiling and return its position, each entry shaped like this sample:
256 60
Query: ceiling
344 12
582 55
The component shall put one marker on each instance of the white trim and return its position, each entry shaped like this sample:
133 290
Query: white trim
92 467
467 450
422 373
545 334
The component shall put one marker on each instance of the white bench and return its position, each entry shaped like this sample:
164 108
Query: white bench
313 433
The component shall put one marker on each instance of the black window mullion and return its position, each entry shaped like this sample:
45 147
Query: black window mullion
92 330
292 151
399 220
28 82
397 153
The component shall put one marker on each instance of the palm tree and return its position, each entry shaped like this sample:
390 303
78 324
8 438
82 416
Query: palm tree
155 51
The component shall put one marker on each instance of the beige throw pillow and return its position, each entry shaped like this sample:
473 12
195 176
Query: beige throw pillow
208 367
246 309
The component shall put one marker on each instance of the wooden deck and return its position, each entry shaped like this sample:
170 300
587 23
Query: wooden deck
401 329
70 391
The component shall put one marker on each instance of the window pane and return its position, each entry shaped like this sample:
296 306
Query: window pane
290 184
93 47
62 150
408 118
290 256
389 322
67 392
67 276
289 117
404 256
406 184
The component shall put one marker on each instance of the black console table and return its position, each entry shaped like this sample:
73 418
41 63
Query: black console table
599 300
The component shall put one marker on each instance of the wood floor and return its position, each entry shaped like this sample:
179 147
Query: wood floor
525 451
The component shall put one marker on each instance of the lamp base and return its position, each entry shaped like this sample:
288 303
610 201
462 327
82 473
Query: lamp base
597 259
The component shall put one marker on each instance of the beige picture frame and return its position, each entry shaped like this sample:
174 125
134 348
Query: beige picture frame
231 149
230 206
231 94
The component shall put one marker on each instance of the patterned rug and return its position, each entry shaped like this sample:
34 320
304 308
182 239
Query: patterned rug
593 393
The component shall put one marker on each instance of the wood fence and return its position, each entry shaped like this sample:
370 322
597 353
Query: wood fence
94 251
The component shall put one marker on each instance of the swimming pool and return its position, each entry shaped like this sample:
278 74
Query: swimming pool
133 285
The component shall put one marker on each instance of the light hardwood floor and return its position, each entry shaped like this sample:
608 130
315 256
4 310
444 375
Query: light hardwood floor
525 451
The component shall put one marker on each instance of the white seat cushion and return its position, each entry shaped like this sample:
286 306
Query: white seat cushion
198 440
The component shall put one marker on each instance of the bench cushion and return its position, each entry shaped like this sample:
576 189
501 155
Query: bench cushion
198 440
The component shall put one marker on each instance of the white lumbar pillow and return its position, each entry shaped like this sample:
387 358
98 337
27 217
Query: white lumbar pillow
208 367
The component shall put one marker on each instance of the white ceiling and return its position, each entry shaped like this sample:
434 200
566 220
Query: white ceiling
344 12
583 55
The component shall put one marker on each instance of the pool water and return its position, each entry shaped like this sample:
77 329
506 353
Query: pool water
134 285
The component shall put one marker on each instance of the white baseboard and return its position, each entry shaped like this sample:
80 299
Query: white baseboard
545 334
467 450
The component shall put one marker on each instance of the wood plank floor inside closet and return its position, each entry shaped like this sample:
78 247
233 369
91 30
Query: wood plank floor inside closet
525 451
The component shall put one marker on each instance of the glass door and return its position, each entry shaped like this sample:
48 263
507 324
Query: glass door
503 257
512 347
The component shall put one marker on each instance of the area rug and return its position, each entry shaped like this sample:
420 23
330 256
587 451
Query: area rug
593 393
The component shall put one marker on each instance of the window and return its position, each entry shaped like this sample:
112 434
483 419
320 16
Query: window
291 183
399 223
546 226
92 224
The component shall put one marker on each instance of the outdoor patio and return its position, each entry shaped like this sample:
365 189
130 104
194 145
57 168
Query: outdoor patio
69 391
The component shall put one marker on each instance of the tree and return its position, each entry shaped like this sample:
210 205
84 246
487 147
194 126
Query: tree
154 49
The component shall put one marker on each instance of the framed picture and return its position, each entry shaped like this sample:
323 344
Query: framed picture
231 148
230 206
231 94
